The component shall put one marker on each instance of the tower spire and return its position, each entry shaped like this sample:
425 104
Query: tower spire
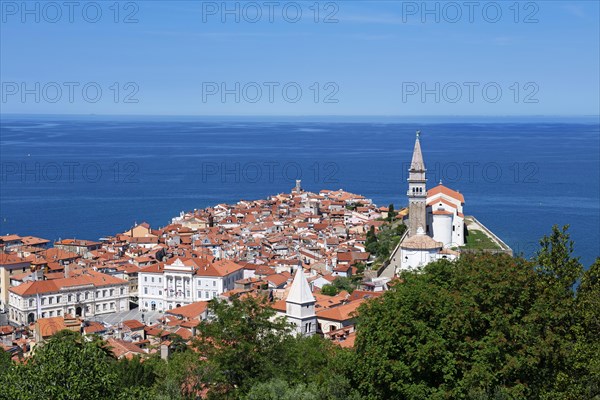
417 190
417 163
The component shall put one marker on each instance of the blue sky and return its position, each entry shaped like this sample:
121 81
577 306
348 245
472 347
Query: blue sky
370 58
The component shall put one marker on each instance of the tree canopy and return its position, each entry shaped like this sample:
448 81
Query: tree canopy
485 327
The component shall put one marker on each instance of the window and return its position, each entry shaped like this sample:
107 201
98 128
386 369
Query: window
104 306
58 312
160 292
87 295
145 279
152 279
145 290
43 301
112 292
104 293
58 299
214 283
112 306
30 302
122 290
159 279
50 300
51 314
70 298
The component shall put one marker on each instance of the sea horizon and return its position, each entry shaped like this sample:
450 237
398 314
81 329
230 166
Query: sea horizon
583 118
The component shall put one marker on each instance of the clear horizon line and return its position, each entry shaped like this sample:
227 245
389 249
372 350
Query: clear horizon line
313 115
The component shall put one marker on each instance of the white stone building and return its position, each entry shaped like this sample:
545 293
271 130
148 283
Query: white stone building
182 281
87 294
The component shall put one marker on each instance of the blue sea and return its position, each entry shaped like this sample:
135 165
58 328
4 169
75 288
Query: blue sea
91 176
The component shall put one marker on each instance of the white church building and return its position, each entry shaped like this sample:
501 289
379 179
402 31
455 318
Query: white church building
445 218
300 305
435 220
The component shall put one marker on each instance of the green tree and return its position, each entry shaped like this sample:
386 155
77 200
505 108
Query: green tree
556 264
391 217
580 376
66 367
553 316
136 372
278 389
371 241
316 368
243 344
486 327
178 345
453 331
360 267
329 290
344 283
177 379
585 368
5 361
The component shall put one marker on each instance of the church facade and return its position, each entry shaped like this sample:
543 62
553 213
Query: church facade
435 222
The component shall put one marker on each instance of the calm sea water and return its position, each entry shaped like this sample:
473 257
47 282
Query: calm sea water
88 177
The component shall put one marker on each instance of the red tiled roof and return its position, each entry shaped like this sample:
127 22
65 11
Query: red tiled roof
8 259
9 238
133 324
448 192
441 200
122 348
342 312
194 310
94 278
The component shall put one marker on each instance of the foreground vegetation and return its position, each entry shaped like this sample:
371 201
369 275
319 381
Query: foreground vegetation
483 327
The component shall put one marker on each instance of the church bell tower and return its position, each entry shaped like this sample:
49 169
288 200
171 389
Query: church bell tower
417 191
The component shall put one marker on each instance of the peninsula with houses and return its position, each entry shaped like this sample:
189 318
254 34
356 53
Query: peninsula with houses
316 257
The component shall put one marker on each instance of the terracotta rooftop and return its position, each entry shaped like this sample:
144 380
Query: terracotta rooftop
340 313
91 277
190 311
448 192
